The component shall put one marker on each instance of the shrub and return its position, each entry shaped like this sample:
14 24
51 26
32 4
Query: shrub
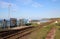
58 24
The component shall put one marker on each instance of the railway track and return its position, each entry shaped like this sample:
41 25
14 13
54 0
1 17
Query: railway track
17 34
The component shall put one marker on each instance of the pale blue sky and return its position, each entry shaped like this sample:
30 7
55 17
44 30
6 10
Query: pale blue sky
33 9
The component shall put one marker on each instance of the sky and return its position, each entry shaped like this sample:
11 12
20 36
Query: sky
30 9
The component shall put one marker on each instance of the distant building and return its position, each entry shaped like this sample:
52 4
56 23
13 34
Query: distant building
13 22
22 22
35 21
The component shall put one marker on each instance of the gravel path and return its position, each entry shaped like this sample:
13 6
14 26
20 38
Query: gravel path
51 34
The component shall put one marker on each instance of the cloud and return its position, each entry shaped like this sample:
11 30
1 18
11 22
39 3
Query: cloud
25 1
6 5
3 4
12 6
35 4
56 11
30 2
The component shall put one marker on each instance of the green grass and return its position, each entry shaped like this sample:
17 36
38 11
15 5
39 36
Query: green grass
57 36
41 33
34 24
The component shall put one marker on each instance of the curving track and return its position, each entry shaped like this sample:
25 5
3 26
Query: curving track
15 33
18 33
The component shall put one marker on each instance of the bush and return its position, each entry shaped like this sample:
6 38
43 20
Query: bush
58 24
28 24
34 24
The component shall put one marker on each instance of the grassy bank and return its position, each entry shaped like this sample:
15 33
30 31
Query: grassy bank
57 36
41 33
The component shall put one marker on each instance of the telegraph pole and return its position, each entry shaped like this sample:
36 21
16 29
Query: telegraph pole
9 6
9 9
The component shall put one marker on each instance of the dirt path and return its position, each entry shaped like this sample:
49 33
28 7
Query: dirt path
51 34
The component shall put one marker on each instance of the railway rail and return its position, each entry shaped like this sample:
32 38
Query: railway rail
13 33
18 33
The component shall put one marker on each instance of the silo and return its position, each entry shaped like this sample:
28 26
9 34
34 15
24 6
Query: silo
13 22
22 22
4 23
